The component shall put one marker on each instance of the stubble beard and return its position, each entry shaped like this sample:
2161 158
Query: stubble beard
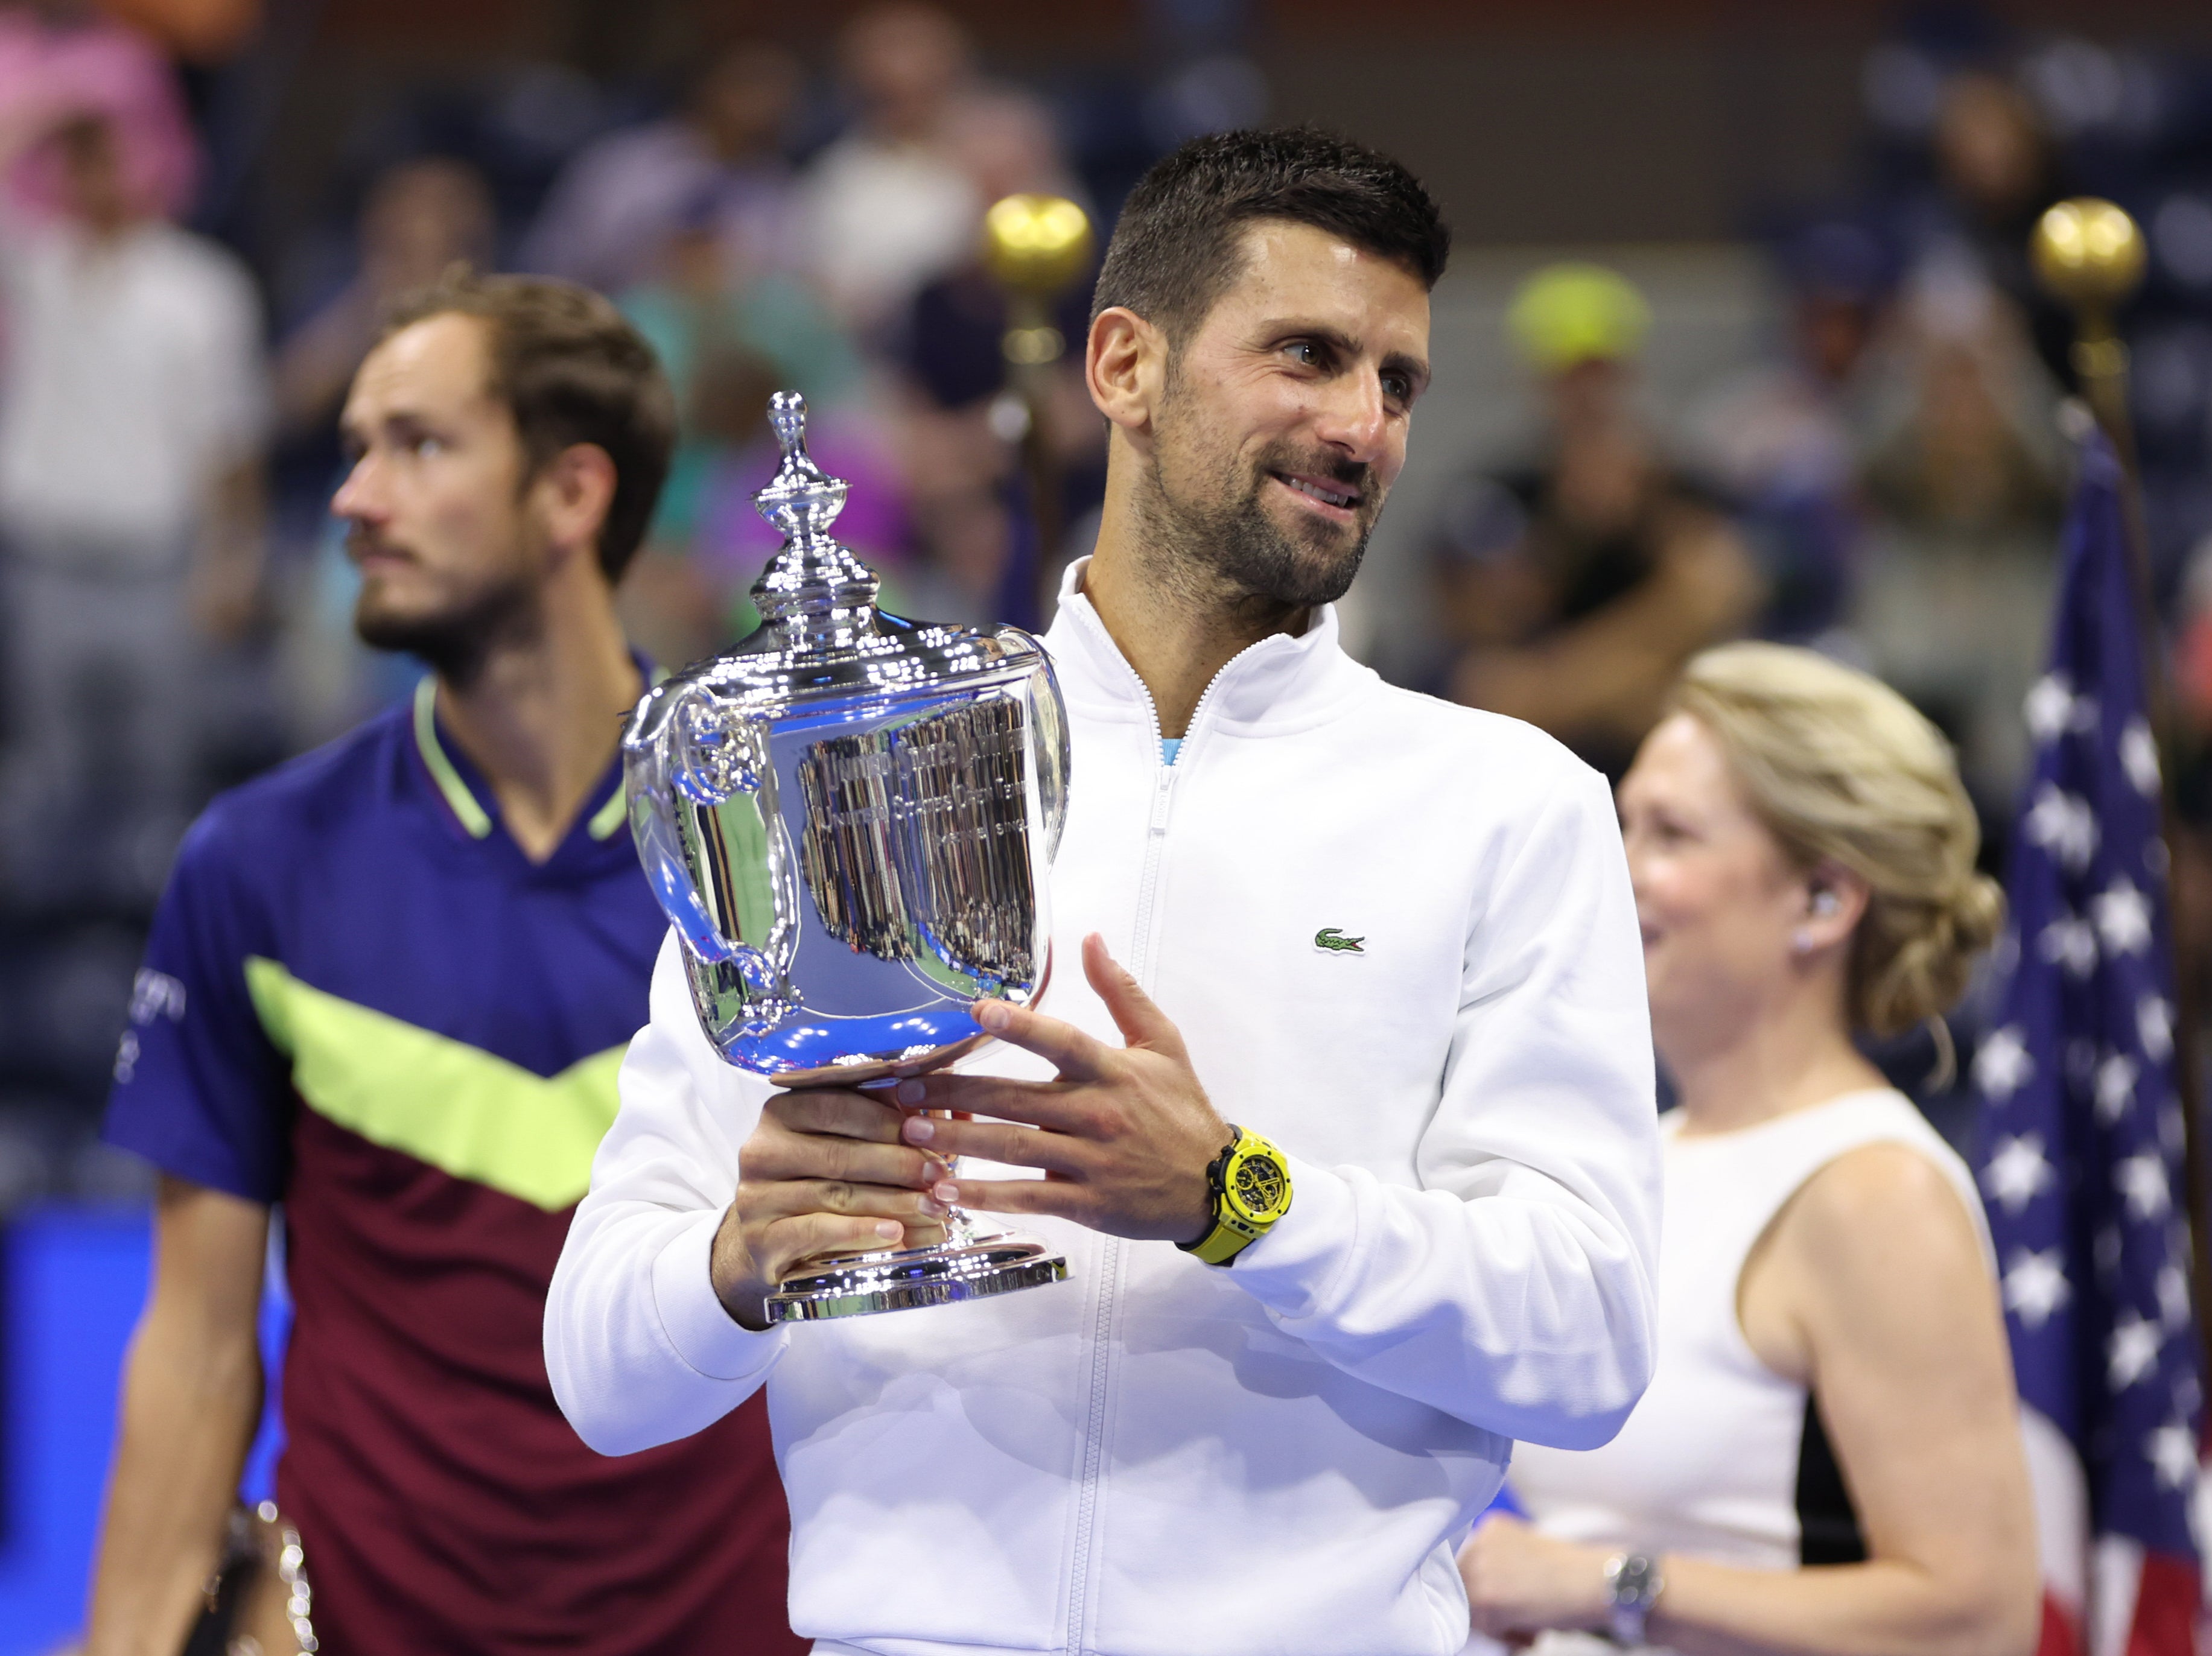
1217 538
456 642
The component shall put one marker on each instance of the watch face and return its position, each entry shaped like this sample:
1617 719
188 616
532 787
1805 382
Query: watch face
1259 1182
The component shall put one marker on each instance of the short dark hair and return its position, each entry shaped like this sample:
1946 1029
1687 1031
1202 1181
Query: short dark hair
571 369
1176 245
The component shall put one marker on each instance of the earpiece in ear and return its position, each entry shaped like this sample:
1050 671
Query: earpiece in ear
1825 902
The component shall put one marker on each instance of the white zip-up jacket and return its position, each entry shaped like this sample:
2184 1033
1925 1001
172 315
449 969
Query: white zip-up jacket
1158 1457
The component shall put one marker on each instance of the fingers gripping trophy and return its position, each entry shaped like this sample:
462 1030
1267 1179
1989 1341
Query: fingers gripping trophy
849 819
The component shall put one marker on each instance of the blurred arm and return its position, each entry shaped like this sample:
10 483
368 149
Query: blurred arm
226 576
1883 1304
1607 672
192 1397
1895 1309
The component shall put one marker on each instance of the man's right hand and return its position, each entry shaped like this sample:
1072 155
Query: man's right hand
824 1172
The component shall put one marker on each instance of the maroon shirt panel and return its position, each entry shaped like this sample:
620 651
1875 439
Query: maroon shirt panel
444 1503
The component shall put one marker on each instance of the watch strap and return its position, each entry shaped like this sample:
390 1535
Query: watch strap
1233 1230
1632 1586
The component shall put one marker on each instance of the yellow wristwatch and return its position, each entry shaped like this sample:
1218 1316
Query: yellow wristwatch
1251 1187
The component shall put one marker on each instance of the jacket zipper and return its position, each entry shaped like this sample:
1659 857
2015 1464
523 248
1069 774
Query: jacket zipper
1110 1263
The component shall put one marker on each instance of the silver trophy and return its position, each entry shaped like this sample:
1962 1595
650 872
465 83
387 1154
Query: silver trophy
849 817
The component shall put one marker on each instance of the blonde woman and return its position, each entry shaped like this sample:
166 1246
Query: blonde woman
1828 1460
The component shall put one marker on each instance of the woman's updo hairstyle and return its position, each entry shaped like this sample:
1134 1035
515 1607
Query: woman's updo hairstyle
1842 770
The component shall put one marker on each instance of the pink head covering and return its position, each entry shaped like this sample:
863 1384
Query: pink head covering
98 68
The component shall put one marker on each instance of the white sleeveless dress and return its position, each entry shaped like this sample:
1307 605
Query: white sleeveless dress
1716 1461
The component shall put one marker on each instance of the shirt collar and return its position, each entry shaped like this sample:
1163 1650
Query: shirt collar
1279 683
464 791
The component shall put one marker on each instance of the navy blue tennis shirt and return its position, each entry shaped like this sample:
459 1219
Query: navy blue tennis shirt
363 1000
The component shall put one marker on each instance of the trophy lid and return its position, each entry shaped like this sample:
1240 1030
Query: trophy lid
821 635
817 588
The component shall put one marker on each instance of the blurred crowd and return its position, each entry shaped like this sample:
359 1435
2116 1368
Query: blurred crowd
1886 483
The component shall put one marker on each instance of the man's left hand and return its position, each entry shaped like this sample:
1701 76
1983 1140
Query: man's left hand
1123 1136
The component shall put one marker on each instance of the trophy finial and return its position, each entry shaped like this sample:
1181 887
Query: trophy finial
802 501
786 413
814 583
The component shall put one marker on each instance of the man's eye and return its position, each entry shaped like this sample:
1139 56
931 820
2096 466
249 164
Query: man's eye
1397 388
1305 352
428 445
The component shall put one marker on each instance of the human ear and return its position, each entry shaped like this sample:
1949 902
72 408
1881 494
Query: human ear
1124 365
1836 900
575 491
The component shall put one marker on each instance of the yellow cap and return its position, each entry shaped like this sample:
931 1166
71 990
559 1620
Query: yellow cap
1570 313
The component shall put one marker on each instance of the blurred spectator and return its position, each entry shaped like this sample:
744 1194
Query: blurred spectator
888 205
1578 584
964 427
1996 172
729 330
132 411
420 217
1783 436
62 54
617 202
1964 477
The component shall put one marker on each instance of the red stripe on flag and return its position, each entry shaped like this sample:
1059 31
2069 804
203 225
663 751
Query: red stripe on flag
2062 1629
2166 1608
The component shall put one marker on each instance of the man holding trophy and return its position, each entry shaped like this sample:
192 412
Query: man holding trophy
1270 1370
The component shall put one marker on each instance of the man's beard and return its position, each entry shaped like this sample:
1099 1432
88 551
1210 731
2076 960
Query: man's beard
1228 537
455 643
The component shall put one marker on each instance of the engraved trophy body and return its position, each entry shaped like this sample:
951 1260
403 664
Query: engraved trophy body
849 819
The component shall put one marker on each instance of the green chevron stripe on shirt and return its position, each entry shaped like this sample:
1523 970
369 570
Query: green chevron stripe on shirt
442 1101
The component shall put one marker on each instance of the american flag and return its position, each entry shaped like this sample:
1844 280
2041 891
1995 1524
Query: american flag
2081 1162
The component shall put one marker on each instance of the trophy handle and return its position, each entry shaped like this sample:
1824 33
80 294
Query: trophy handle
1048 717
702 806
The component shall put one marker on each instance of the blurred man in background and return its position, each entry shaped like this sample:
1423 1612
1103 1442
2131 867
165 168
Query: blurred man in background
419 218
1967 480
389 987
617 202
1783 435
133 406
1579 585
889 206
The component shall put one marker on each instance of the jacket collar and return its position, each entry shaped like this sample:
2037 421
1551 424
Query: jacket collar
1279 684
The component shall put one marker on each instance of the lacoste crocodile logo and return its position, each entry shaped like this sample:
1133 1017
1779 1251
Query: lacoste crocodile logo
1336 942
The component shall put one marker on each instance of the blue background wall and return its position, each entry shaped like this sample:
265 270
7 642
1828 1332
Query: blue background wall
72 1280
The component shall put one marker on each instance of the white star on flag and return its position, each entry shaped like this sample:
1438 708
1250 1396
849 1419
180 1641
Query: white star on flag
2132 1352
2048 707
2116 1087
2068 943
2154 1026
2123 917
2172 1296
2139 756
2036 1287
2172 1450
2002 1067
2063 824
2018 1173
2141 1181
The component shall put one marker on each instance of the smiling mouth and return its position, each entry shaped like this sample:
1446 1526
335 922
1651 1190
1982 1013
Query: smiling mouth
1342 499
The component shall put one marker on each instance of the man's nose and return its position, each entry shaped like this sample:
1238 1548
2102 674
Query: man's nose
1355 419
357 496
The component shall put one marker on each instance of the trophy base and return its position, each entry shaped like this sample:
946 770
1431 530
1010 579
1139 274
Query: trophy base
901 1279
